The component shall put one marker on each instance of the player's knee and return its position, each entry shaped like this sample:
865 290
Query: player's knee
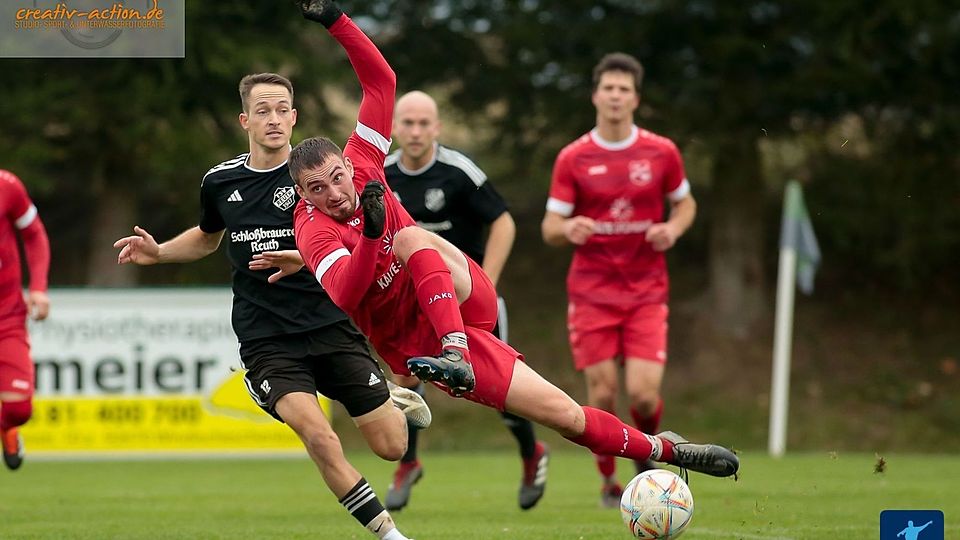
391 449
572 420
603 396
408 240
562 415
15 413
644 402
323 443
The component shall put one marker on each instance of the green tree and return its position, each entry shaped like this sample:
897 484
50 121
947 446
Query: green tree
114 142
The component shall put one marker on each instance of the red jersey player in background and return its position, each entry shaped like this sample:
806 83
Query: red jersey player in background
607 199
413 293
19 217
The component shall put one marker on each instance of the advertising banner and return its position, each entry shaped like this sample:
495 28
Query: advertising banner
152 370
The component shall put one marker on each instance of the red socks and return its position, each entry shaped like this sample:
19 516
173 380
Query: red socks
605 434
607 465
437 297
14 413
648 424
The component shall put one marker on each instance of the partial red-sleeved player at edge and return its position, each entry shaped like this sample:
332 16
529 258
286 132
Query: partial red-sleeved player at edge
18 216
426 307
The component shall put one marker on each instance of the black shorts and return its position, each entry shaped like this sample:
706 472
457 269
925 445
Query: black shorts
333 360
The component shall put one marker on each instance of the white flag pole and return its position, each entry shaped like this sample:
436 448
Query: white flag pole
783 327
782 341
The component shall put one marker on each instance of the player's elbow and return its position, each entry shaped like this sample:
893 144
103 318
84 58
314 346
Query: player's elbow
391 78
344 299
386 84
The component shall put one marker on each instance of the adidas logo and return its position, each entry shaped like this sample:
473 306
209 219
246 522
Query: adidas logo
373 379
235 196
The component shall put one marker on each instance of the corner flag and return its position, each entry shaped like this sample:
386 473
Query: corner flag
799 258
796 233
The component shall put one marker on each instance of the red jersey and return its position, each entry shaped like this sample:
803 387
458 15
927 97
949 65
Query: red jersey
18 217
622 187
379 297
363 276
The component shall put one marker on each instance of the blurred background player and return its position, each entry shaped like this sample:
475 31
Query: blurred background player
16 368
294 342
446 193
607 200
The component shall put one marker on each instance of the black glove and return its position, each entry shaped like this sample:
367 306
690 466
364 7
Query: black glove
374 210
325 12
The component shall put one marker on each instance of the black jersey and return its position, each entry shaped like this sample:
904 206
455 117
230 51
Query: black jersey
256 208
449 196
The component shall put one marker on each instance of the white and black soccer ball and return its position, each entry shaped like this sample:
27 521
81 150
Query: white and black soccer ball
656 505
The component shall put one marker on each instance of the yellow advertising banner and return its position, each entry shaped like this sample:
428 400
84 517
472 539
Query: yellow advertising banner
144 370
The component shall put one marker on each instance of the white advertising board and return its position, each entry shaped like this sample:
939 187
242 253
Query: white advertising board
144 370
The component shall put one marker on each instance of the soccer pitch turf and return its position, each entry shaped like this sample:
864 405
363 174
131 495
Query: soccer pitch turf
469 496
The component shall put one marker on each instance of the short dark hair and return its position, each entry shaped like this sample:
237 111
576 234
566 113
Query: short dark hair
310 154
248 82
618 61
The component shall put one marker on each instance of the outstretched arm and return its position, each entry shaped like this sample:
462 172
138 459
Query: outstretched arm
377 80
188 246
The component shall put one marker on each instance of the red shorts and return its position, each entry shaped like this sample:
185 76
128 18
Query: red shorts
602 332
492 360
480 310
16 368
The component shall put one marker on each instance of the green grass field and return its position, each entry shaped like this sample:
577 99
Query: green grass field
462 496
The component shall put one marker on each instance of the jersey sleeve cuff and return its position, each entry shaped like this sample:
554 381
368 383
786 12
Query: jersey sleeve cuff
557 206
27 218
682 191
328 262
373 137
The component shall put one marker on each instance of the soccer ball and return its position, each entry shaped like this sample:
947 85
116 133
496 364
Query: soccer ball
656 505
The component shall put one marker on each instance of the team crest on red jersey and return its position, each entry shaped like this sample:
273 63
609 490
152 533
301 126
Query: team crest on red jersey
386 243
641 172
283 197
